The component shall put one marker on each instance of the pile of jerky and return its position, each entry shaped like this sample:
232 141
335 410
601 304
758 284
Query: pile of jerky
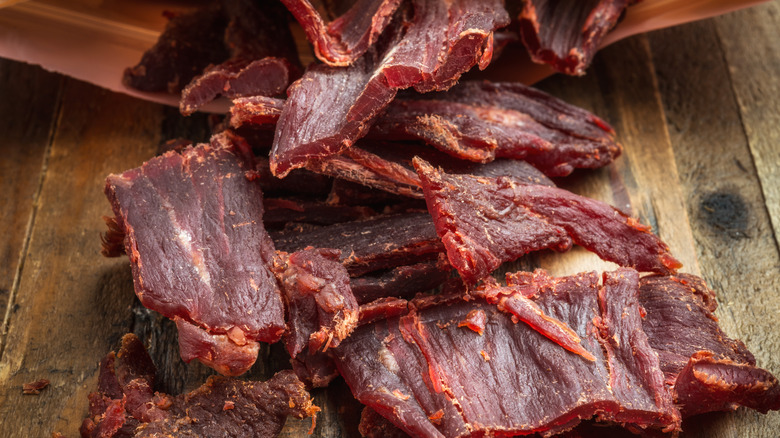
333 201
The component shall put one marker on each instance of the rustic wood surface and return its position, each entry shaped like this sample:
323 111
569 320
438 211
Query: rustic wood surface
697 108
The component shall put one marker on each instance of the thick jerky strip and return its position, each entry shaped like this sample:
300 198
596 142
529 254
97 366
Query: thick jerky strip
189 44
255 110
342 41
484 222
377 243
403 281
125 404
567 33
482 121
263 57
330 108
279 212
432 377
299 183
707 370
193 230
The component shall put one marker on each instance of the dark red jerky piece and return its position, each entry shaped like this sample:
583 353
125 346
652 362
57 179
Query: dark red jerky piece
281 211
330 108
300 182
229 354
510 380
256 409
255 110
707 384
707 370
263 57
373 425
194 217
382 308
345 192
316 370
484 222
479 122
381 242
403 281
635 372
566 34
475 320
344 40
189 44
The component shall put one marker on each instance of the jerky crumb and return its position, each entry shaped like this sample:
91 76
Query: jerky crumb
230 405
436 417
475 320
34 388
485 355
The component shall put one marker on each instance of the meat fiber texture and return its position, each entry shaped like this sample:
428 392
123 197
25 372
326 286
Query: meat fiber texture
329 108
432 375
566 34
125 404
480 121
199 253
345 39
484 222
706 370
321 309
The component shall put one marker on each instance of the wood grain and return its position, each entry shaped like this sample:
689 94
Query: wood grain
29 98
736 248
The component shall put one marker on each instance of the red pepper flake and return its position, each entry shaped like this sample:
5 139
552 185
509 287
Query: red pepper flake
475 320
34 388
228 405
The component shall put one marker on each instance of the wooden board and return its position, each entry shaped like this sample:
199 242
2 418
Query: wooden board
696 109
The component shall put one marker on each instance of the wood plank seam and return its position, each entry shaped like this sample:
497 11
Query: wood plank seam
7 315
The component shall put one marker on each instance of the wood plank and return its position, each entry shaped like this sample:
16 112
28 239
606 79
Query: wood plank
72 303
735 244
29 98
751 45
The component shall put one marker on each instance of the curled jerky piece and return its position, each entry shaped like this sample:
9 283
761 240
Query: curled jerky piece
193 231
263 57
328 109
484 222
480 121
381 242
125 404
706 370
432 377
566 34
342 41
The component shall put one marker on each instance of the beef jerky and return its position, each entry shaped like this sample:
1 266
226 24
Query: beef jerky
193 230
566 34
432 377
481 121
344 192
35 388
706 370
381 242
255 110
125 404
263 57
373 425
330 108
484 222
301 182
279 212
345 39
321 310
403 281
189 43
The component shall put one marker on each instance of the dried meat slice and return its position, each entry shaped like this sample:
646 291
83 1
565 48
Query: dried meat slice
403 281
263 58
330 108
432 376
345 39
126 406
193 230
480 121
381 242
484 222
706 370
279 212
566 34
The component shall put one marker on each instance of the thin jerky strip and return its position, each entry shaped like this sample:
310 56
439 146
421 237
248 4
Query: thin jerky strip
330 108
567 33
342 41
194 217
126 406
482 121
403 281
377 243
509 380
263 57
484 222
